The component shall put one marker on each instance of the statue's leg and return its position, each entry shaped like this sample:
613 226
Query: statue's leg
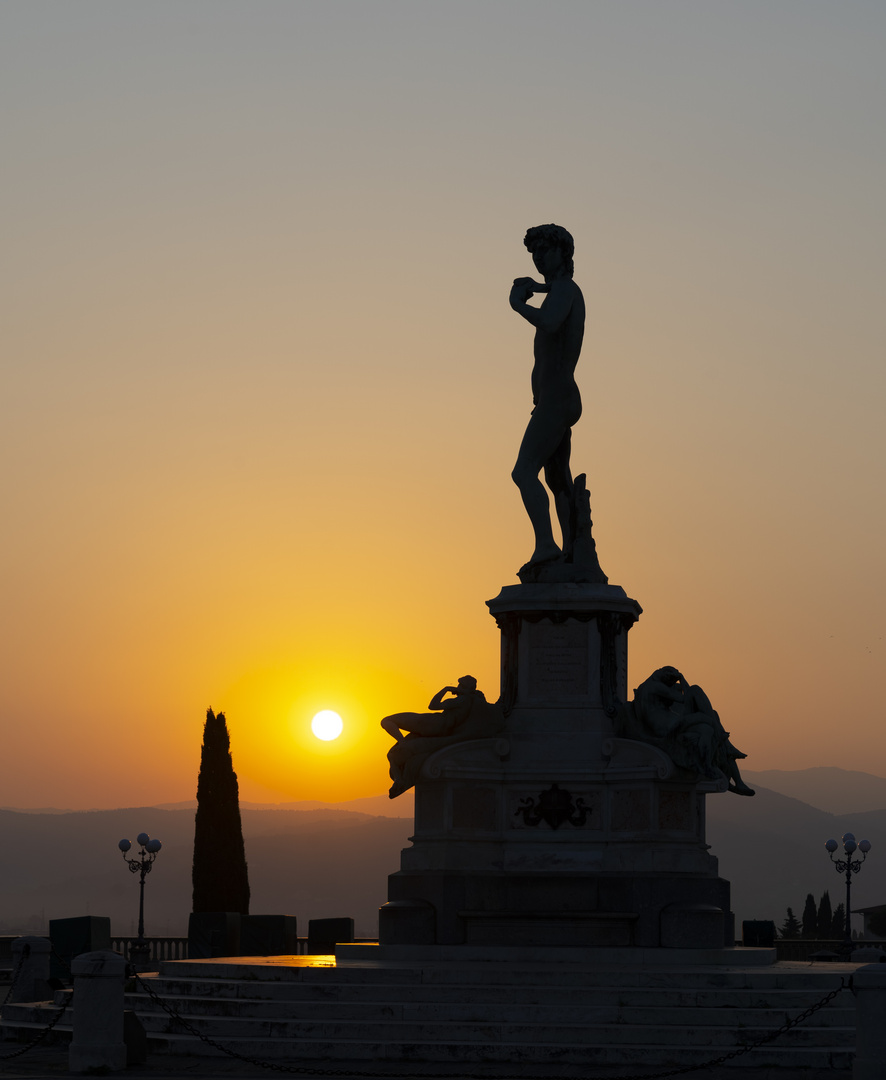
699 701
418 723
543 435
558 477
395 766
392 727
738 785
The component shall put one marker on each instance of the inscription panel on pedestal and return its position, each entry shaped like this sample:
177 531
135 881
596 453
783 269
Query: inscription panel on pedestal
474 808
675 810
557 664
631 810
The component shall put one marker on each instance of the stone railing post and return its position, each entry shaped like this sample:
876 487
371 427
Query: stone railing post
869 988
98 1043
32 981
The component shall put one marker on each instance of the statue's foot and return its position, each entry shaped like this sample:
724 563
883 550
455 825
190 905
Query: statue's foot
397 788
741 788
540 557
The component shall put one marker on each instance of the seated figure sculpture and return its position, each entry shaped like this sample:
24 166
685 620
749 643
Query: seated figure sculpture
680 718
466 714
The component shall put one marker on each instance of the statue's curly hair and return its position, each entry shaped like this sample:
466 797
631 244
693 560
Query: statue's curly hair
552 236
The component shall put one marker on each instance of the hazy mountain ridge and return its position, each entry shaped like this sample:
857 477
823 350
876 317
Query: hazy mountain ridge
771 849
305 863
328 860
377 805
839 791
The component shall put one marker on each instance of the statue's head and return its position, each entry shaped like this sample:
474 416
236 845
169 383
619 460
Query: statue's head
552 236
467 683
667 675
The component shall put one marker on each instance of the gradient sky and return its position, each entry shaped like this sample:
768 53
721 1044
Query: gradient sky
262 389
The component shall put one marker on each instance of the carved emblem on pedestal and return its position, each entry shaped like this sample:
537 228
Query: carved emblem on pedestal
553 806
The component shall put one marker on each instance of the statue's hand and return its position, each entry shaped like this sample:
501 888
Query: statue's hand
521 290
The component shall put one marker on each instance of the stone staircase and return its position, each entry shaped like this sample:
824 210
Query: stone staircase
538 1015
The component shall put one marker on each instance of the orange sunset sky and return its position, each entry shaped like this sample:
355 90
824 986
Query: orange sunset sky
262 389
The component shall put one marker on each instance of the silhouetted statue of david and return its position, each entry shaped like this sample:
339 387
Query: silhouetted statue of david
559 329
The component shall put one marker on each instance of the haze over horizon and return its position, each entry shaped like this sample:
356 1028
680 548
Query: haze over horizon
264 390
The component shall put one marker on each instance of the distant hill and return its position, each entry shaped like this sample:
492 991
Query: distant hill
308 863
380 805
772 849
839 791
324 860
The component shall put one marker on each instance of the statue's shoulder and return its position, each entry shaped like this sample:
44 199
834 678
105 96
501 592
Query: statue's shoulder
565 285
568 287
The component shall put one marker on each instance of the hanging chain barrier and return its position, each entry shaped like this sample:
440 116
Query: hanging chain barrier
41 1035
25 953
307 1070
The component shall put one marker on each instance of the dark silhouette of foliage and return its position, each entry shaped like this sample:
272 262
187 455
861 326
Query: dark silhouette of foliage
791 927
810 918
825 918
838 924
219 875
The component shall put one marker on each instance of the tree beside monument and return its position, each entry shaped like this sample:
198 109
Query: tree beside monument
219 875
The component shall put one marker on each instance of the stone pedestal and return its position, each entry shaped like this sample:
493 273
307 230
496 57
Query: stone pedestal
869 988
97 1044
558 832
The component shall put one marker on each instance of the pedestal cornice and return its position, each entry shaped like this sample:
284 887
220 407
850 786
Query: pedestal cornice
563 601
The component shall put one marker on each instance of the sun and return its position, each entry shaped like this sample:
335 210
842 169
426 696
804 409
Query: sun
327 725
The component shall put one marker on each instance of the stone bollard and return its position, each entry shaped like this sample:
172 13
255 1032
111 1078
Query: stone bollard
98 1043
32 981
869 988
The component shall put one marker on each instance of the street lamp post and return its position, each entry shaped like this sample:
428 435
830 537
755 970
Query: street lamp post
848 866
140 950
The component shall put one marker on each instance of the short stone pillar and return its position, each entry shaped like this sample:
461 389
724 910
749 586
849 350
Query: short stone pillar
30 968
869 988
98 1043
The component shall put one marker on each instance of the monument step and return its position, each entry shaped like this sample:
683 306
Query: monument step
617 1045
798 976
641 996
655 1008
33 1014
489 1033
835 1059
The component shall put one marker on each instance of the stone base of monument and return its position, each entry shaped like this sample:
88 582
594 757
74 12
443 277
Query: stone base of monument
559 833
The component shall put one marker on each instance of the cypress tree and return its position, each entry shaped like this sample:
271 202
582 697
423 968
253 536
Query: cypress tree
825 917
810 917
791 927
219 875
